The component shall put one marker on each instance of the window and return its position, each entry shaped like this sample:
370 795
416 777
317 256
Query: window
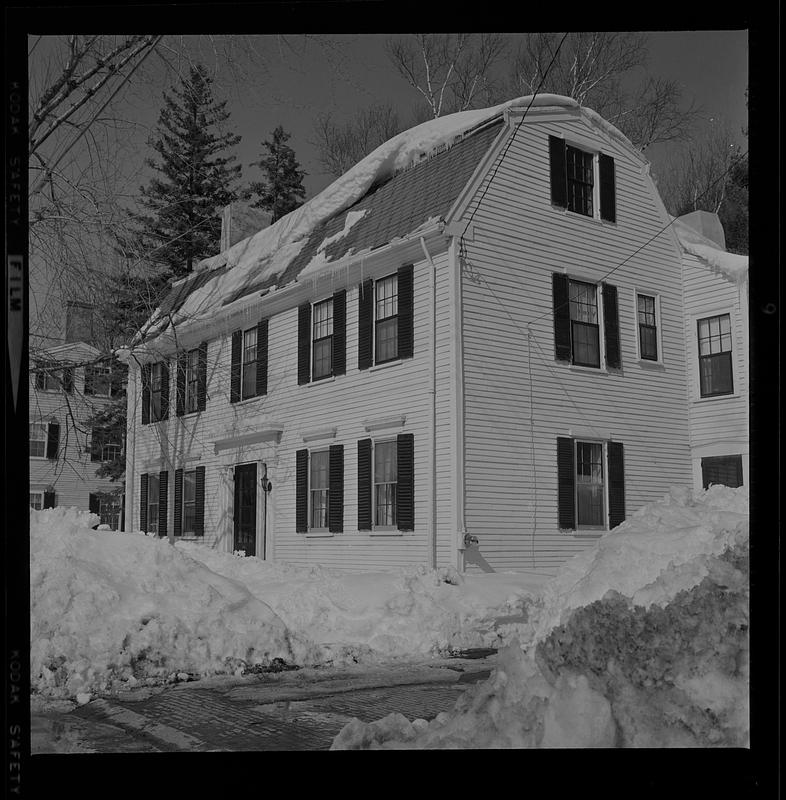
47 377
579 166
38 439
249 364
584 328
724 470
37 500
319 484
589 485
715 370
386 320
102 448
189 503
648 328
385 482
322 338
156 390
98 380
192 381
152 503
109 509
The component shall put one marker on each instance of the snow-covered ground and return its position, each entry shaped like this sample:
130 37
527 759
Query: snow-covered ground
639 641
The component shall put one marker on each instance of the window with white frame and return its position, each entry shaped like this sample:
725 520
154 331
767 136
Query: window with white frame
319 483
249 364
192 381
189 503
580 180
584 327
98 379
648 327
322 340
385 483
715 349
109 512
386 319
38 438
152 503
156 390
102 448
37 500
48 377
590 487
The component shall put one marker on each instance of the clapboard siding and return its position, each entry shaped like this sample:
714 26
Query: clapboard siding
718 425
511 375
344 403
73 474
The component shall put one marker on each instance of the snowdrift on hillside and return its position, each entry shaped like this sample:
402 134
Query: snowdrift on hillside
111 609
664 666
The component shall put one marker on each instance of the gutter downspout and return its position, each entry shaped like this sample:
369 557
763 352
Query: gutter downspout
433 393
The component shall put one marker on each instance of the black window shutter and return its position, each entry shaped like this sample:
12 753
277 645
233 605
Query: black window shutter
143 502
262 359
364 485
340 332
180 383
365 326
178 529
39 379
561 304
163 495
566 479
559 184
164 390
202 378
336 489
52 439
616 484
94 506
611 326
199 502
304 343
405 312
405 490
301 491
49 499
68 379
146 369
608 200
234 379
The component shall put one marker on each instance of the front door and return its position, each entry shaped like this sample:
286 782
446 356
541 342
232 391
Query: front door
246 508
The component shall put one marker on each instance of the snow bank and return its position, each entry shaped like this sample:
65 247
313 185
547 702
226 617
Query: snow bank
734 267
664 666
111 609
268 252
382 616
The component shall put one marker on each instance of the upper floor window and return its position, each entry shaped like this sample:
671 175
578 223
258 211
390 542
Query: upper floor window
386 319
102 448
715 367
98 380
584 328
156 390
648 327
47 377
579 166
319 487
38 439
192 381
249 364
322 340
573 180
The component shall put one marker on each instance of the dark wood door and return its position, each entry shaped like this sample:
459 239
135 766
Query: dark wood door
246 508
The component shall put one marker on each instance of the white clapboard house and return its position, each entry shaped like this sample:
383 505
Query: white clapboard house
69 384
468 351
716 338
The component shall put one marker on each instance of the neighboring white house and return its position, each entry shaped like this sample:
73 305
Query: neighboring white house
436 360
68 384
716 339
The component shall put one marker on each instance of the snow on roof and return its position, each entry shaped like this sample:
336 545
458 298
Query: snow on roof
264 256
734 267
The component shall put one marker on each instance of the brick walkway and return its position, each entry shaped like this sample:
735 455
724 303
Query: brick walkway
250 717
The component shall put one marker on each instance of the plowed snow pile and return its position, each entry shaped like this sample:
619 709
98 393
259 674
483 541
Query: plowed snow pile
109 610
642 642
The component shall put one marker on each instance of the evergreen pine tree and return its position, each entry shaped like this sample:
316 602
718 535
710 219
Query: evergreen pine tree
183 223
281 189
